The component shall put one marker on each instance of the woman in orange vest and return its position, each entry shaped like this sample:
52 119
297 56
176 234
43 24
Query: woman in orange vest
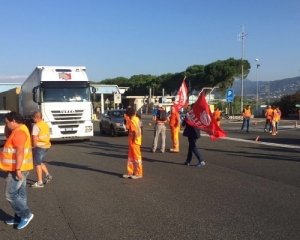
279 117
275 119
174 120
16 160
217 116
134 160
246 117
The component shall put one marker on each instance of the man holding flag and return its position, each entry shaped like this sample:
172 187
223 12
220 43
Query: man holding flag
200 118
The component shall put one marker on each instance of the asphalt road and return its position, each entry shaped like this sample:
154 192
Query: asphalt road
246 190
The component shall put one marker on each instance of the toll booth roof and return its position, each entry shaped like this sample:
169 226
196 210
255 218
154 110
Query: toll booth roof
108 89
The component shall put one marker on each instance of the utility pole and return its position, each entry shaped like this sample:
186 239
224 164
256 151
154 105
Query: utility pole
242 36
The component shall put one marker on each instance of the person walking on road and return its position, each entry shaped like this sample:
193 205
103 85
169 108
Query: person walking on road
274 121
16 160
41 144
193 134
278 118
268 115
174 120
217 116
160 129
246 118
134 160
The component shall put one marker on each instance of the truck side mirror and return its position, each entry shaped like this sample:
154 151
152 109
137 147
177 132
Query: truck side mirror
34 94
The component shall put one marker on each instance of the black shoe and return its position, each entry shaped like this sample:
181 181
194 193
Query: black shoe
187 164
247 131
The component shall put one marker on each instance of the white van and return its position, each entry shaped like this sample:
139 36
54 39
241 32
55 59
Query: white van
2 124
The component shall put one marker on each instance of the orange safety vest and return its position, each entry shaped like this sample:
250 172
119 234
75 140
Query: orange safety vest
8 155
247 113
275 117
269 113
43 138
134 125
217 114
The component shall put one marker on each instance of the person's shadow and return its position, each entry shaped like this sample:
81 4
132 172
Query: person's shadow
4 216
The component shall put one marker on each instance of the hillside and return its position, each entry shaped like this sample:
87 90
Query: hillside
278 88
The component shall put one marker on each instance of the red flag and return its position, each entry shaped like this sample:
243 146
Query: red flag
181 100
201 117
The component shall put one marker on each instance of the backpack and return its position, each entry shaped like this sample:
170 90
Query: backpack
162 115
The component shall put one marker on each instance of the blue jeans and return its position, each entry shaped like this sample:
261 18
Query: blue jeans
15 193
248 124
39 155
193 149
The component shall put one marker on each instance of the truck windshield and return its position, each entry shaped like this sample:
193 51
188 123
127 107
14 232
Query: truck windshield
66 94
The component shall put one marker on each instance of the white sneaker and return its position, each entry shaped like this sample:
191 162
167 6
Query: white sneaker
136 177
127 176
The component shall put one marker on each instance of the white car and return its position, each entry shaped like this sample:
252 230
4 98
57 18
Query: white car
2 124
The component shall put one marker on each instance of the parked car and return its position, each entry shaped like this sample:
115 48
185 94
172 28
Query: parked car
2 125
112 121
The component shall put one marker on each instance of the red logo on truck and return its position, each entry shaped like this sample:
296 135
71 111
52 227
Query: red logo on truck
65 76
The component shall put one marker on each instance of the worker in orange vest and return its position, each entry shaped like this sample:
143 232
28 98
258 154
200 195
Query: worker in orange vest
246 117
174 120
134 160
278 118
217 116
268 115
41 143
274 120
16 160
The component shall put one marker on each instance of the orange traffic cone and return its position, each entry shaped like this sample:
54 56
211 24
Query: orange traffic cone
256 140
296 124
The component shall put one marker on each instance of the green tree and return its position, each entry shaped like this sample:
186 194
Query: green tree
287 104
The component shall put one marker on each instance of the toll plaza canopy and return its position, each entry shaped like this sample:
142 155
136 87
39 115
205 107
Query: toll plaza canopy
106 89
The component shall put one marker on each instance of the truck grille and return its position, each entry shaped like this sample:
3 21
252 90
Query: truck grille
67 122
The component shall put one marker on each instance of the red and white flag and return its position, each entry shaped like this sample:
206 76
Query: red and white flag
181 99
201 117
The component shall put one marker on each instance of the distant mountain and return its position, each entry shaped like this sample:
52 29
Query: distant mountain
267 90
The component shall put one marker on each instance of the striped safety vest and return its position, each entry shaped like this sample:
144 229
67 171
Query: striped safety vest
138 135
43 138
8 155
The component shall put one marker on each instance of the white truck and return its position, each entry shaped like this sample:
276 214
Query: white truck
63 95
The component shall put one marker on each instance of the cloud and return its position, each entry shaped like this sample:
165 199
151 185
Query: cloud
12 79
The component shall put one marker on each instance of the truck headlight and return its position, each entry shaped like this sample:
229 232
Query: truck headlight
118 124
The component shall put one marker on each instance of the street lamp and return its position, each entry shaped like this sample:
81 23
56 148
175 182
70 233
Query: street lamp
257 65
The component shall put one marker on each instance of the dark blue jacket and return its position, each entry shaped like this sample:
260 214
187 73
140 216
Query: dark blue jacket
190 131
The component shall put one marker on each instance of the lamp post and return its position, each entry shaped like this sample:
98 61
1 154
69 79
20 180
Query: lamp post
257 65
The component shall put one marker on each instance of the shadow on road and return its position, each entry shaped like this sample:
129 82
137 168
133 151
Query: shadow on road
82 167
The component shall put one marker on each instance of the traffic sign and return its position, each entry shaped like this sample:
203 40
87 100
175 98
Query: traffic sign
229 95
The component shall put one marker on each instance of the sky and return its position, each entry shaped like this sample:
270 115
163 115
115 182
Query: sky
122 38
